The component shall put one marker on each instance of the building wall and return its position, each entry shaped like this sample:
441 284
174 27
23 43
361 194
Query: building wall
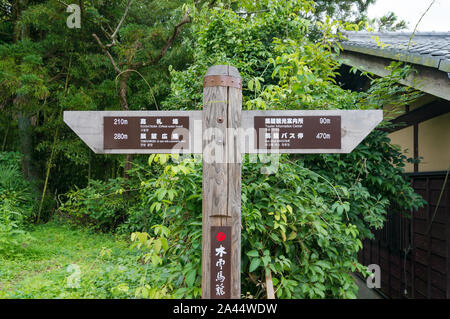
405 139
433 139
434 144
413 249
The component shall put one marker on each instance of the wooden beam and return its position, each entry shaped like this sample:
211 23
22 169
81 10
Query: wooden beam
427 79
421 114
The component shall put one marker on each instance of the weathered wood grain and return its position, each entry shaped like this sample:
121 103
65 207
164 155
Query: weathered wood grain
221 204
270 293
234 184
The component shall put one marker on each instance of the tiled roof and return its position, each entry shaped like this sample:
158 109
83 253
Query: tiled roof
430 49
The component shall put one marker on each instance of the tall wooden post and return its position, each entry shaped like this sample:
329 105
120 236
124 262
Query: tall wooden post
222 100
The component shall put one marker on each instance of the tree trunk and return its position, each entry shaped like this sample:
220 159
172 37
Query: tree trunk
24 120
128 165
123 90
26 146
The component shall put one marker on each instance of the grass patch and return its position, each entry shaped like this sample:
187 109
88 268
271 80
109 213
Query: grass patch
42 268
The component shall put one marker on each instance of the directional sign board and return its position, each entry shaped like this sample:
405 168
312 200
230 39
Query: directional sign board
137 132
306 131
282 131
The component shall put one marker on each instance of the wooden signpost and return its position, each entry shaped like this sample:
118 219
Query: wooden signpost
222 132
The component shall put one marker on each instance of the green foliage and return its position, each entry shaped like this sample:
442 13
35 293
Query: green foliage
107 268
296 226
371 179
386 90
168 193
388 22
47 68
101 205
225 37
345 10
17 203
296 223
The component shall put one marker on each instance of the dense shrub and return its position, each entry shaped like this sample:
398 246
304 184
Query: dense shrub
17 202
101 205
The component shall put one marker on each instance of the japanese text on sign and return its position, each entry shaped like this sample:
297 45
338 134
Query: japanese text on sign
305 132
151 132
220 262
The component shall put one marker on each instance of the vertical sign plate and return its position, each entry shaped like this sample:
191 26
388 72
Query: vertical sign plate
145 132
220 262
298 132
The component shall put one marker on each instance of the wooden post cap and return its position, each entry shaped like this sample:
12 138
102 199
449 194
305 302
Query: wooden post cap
222 75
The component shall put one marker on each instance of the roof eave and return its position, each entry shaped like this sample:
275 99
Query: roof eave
429 61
